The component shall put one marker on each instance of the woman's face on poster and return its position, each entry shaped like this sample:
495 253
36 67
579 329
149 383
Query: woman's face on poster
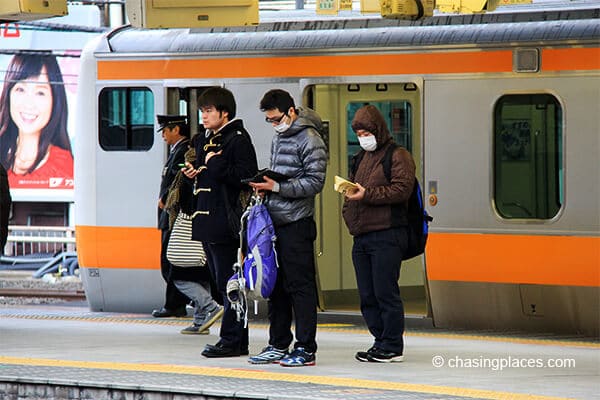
31 103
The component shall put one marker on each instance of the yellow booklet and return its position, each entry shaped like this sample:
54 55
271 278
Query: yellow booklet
342 185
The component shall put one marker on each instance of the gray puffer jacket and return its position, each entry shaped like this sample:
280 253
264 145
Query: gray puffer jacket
301 154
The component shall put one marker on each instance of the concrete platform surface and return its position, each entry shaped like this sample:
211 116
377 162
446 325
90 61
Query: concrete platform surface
73 346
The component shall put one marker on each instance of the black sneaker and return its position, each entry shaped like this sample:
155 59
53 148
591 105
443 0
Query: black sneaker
383 356
362 356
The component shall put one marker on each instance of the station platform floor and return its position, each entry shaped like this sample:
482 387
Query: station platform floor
70 346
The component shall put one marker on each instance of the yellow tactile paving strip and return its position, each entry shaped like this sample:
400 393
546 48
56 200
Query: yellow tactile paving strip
241 373
360 385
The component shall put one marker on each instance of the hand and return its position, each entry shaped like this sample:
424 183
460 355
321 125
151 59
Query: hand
211 154
189 170
355 194
161 205
259 193
267 185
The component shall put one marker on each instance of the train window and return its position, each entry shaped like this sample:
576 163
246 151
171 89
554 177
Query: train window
398 116
126 119
528 156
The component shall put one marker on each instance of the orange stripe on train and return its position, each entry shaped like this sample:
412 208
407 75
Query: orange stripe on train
544 260
309 66
572 59
578 59
118 247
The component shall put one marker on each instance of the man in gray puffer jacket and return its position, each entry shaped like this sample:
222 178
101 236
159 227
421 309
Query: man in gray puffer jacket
297 151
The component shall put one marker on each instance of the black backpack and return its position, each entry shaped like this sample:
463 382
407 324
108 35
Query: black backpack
418 218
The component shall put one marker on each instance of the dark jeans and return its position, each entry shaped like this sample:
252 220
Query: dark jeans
377 257
221 257
295 293
174 299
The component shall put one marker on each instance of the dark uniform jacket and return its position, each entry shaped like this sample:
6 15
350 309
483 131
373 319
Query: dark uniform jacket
374 211
176 156
5 201
219 181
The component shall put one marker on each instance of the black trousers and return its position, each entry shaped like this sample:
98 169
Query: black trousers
295 293
377 257
174 299
221 257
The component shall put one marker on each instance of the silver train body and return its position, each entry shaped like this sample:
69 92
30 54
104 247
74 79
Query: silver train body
501 117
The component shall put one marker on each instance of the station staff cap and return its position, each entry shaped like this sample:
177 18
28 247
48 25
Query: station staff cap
170 120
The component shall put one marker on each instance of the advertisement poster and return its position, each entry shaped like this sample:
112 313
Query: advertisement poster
38 98
35 115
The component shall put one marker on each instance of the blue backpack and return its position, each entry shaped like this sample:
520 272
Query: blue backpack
418 218
255 273
418 223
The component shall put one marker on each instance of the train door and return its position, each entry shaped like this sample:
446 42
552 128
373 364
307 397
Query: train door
400 103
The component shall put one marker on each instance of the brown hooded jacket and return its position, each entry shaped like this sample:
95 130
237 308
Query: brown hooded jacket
374 211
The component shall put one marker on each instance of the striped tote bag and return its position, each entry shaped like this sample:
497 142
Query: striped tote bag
182 251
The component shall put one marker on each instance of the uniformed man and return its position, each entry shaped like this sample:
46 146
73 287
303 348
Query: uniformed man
175 133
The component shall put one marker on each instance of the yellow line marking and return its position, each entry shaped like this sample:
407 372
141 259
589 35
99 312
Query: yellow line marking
246 373
343 328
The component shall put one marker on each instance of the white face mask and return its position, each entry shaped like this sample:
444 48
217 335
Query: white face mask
368 143
281 127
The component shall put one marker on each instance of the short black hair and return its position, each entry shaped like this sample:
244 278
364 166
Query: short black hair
220 98
277 99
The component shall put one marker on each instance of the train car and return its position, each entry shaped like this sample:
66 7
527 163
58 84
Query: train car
500 116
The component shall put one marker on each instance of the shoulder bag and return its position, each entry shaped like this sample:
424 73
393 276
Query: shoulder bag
182 251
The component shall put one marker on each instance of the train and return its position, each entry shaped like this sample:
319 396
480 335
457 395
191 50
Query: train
500 113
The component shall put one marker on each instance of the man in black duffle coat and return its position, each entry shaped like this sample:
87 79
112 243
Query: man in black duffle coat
223 159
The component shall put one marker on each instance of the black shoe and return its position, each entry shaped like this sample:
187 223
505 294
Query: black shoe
167 312
218 350
383 356
363 356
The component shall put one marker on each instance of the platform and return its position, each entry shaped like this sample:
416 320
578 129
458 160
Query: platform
68 352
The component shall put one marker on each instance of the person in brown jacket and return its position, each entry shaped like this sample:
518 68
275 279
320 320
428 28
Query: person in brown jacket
375 215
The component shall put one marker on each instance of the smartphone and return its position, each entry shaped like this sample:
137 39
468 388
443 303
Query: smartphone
181 165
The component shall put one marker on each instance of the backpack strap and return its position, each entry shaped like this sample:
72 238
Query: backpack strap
386 161
356 159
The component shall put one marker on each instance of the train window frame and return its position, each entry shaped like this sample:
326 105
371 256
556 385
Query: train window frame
124 122
528 151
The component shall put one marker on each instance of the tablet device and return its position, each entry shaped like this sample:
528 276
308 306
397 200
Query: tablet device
276 176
